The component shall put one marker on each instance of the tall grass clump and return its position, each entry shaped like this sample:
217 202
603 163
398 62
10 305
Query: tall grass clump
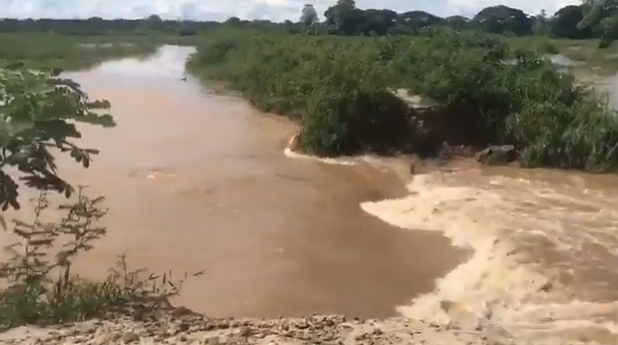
340 91
37 284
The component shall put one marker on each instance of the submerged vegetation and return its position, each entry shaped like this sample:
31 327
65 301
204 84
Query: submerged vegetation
489 92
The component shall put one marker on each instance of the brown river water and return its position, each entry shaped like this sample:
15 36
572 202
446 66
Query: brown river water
198 181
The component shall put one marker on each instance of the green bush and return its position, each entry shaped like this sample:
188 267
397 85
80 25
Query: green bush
339 89
41 289
316 83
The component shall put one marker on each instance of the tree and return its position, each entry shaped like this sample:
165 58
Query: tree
540 23
377 21
414 21
39 113
309 15
564 23
233 21
457 22
344 17
503 20
601 16
154 18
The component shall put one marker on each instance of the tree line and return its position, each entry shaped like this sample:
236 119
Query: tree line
590 19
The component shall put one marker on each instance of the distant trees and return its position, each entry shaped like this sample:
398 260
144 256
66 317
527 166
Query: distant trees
378 22
503 20
412 22
565 23
591 19
457 22
601 16
345 18
309 15
154 18
540 23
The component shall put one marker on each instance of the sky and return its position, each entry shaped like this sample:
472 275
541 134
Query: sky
276 10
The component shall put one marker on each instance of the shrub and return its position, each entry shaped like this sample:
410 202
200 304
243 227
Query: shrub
41 289
38 118
339 89
316 83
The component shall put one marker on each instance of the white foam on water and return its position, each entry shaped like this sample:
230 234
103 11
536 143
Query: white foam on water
538 249
289 152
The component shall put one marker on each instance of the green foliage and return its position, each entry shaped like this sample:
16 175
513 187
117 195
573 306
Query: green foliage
39 113
565 23
343 18
491 93
40 116
316 82
502 20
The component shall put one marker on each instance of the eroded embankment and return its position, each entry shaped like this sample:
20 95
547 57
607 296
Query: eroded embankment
545 245
544 251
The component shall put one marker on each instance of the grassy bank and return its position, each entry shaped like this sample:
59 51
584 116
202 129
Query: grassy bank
338 88
76 52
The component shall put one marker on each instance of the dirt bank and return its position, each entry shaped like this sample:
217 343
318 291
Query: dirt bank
320 329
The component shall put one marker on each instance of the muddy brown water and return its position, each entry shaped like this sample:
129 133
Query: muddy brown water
199 181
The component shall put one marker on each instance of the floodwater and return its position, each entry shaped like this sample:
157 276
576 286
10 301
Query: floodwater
545 242
195 180
199 181
545 248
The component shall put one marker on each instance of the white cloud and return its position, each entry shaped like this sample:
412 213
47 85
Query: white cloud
249 9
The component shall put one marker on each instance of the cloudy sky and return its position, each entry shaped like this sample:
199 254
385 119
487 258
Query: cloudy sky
276 10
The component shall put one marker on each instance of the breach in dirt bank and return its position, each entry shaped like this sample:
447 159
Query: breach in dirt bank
542 268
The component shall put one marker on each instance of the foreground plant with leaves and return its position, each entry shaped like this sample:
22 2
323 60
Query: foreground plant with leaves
39 115
42 289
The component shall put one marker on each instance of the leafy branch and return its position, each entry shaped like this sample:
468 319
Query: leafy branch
40 112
